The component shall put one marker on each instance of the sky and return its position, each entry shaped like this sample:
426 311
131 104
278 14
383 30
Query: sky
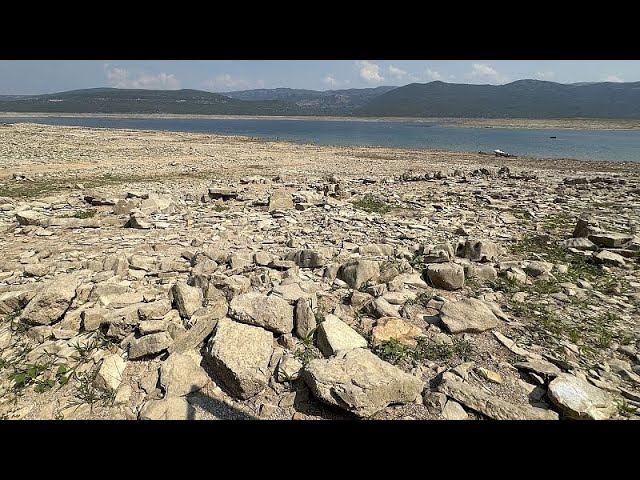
18 77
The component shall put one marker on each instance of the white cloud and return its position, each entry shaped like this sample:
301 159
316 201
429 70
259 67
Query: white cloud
123 78
613 78
330 81
369 72
545 75
226 82
480 71
397 72
433 75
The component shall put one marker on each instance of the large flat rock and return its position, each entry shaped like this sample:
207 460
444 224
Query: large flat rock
360 382
468 315
51 303
270 312
239 356
578 399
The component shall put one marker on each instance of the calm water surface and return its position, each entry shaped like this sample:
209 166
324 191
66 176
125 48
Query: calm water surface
579 144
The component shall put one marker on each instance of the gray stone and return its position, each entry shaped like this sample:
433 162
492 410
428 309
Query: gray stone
170 408
203 325
454 411
536 268
109 374
541 367
376 249
480 271
239 355
609 258
610 240
360 382
578 399
579 243
27 217
335 335
308 258
180 375
467 315
448 276
280 200
139 221
149 345
187 299
51 303
586 226
289 369
381 308
490 405
357 272
270 312
480 250
305 318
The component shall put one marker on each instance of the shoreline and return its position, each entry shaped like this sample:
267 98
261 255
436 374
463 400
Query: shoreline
516 123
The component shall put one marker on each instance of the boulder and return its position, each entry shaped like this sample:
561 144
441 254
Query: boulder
109 375
149 345
609 258
467 315
239 355
586 225
280 200
270 312
305 321
448 276
358 381
610 240
308 258
335 335
479 250
51 303
180 375
356 273
578 399
187 299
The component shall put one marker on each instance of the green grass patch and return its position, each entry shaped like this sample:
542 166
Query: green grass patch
371 204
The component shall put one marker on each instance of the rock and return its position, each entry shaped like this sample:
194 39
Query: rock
609 258
280 200
578 399
388 328
13 301
441 253
305 321
536 268
187 299
308 258
610 240
357 272
481 271
109 374
239 355
51 303
490 405
376 249
381 308
180 375
448 276
511 345
149 345
138 220
359 382
170 408
467 315
586 226
479 250
335 335
289 369
224 194
454 411
270 312
27 217
540 367
580 243
489 375
203 325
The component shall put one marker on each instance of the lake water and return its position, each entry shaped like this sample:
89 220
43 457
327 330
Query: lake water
617 145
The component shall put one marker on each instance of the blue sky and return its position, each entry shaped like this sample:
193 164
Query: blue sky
48 76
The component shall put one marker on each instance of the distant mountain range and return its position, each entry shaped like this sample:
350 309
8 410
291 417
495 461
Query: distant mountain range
520 99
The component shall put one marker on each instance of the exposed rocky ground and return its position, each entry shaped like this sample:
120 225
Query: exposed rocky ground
154 275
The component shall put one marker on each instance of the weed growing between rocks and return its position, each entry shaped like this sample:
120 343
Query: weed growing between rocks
371 204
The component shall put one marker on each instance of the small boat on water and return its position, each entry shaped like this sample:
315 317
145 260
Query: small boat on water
500 153
553 137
